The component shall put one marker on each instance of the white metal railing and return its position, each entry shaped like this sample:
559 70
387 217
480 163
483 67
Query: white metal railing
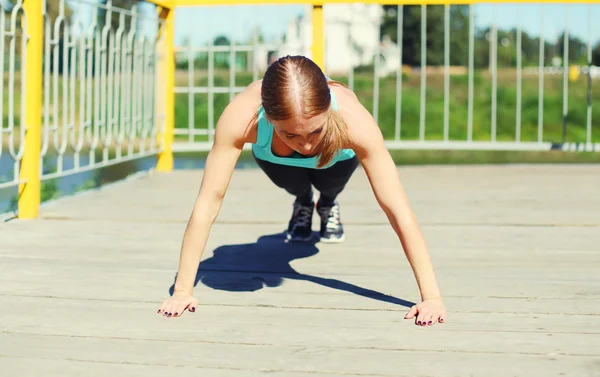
98 91
433 128
12 94
99 104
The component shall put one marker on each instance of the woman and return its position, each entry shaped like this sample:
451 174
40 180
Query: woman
307 131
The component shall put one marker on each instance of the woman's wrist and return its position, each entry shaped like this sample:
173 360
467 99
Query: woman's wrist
180 289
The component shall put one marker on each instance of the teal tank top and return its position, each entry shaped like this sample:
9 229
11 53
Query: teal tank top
262 148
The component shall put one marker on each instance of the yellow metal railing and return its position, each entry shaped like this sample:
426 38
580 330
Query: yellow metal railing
165 158
318 43
29 191
30 177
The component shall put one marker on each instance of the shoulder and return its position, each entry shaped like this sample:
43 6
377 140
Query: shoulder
364 133
237 122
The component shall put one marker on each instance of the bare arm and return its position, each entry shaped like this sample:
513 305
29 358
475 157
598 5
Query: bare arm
383 176
220 164
232 132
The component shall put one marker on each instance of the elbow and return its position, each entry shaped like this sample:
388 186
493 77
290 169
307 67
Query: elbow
401 219
207 208
407 219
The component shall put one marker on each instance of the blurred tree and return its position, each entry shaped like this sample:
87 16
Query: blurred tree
459 39
221 40
459 35
596 55
53 9
221 59
577 49
411 38
115 14
52 12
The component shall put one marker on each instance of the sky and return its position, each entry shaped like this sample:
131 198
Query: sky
197 23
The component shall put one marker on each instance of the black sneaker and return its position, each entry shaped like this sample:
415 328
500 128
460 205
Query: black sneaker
300 226
332 230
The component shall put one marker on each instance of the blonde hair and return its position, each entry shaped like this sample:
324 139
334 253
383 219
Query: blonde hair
291 73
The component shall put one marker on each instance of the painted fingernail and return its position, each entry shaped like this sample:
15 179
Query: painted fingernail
430 322
418 322
176 313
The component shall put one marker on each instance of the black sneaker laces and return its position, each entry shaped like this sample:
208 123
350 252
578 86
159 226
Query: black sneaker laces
303 216
333 216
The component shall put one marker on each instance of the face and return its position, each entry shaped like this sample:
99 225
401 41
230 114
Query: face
302 135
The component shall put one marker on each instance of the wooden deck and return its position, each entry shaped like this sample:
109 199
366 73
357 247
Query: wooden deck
516 251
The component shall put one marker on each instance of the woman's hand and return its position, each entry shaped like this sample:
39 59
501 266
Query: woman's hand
428 312
177 304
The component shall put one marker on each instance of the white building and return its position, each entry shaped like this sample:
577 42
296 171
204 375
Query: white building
352 37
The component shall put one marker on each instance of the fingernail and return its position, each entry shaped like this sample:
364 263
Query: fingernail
418 322
158 311
176 313
430 322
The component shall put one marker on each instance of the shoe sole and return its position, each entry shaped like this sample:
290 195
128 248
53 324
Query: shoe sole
289 238
334 240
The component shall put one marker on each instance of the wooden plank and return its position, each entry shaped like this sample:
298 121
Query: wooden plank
60 368
315 359
62 314
516 266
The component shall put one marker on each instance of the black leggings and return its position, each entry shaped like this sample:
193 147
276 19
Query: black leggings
298 181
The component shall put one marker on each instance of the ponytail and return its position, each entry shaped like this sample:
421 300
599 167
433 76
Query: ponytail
254 120
335 137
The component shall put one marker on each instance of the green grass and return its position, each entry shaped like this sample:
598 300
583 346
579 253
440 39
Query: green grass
434 114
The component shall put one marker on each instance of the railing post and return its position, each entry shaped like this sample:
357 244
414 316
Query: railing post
30 189
167 73
318 36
